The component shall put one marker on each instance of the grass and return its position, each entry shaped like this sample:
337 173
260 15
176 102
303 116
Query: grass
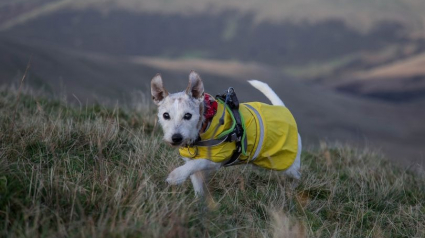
94 171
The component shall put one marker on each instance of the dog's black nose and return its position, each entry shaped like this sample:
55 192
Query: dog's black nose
177 138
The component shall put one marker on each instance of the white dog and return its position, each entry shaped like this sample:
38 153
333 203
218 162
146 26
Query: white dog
216 132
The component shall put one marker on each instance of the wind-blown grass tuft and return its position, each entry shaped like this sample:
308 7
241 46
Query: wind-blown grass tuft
95 171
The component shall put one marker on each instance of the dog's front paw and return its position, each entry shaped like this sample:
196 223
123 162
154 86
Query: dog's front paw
178 176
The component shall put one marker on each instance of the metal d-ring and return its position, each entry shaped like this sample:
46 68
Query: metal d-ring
196 151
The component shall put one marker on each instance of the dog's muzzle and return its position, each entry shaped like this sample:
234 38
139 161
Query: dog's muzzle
176 139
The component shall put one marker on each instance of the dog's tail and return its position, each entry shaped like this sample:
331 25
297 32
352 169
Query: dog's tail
267 91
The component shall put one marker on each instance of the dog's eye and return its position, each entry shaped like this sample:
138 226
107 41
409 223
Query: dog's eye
187 116
166 116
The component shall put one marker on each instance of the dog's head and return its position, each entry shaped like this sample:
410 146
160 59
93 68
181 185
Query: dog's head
180 114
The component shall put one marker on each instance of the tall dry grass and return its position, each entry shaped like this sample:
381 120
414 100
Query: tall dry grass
95 171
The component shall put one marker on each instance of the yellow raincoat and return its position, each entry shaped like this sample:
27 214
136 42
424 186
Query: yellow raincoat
271 132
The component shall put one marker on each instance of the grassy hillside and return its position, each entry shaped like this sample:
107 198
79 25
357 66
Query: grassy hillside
91 171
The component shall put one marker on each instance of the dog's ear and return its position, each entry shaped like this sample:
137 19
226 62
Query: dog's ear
195 88
157 89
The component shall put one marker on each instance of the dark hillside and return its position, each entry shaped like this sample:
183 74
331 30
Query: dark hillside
225 36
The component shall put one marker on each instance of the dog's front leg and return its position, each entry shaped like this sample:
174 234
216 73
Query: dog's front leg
180 174
198 182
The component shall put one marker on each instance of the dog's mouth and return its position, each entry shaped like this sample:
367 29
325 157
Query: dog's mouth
178 144
174 144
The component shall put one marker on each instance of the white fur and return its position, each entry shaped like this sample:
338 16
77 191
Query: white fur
294 170
177 105
197 178
267 91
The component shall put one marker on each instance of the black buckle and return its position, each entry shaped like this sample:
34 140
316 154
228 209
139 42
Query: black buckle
230 99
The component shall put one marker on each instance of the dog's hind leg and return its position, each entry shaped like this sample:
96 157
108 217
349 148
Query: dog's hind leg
294 171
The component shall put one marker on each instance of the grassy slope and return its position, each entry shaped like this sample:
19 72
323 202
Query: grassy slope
99 172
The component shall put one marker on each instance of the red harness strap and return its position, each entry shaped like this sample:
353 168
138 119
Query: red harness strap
210 106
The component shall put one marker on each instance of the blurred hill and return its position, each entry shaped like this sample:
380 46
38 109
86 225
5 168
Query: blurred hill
316 54
328 42
361 14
